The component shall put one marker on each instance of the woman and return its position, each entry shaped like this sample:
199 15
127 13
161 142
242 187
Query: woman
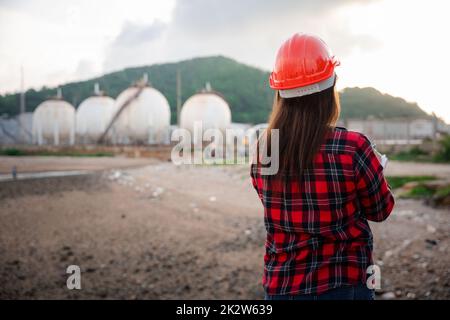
329 184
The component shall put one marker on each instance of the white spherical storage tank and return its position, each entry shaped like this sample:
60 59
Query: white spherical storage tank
208 108
92 117
54 122
144 117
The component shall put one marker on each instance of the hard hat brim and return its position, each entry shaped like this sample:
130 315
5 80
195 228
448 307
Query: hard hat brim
310 89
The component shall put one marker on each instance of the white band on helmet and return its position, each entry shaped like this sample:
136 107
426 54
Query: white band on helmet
306 90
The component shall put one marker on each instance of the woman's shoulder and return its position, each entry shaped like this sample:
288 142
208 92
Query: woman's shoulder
342 139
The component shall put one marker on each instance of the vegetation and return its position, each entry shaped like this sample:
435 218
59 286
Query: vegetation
244 87
436 195
443 192
362 102
444 153
419 155
60 153
12 152
414 154
419 191
399 181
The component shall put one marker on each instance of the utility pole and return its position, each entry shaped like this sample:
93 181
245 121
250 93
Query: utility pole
22 91
178 96
435 126
408 130
22 135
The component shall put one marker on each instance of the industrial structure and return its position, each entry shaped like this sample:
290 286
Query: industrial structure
93 116
16 130
141 115
207 108
399 130
54 122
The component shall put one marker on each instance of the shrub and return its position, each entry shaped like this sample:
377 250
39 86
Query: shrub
399 181
443 154
11 152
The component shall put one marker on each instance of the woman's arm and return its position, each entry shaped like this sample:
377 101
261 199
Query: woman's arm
373 190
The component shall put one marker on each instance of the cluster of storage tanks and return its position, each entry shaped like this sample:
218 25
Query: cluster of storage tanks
139 115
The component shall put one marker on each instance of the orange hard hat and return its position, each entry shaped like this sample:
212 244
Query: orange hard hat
304 65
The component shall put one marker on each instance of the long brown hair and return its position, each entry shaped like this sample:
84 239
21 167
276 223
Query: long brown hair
302 123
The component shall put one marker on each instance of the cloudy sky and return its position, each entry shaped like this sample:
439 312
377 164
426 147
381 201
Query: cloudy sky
399 47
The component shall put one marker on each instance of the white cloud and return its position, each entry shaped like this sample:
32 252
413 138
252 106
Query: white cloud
52 38
249 31
136 44
85 69
410 61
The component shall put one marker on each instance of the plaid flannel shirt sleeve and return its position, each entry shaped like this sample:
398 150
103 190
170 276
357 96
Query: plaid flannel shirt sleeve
254 177
373 190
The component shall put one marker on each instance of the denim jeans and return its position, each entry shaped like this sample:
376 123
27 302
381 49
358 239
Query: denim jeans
359 292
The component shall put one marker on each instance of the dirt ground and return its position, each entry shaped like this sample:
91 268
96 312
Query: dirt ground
192 232
39 164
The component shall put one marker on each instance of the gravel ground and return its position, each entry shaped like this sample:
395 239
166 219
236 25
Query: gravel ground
165 232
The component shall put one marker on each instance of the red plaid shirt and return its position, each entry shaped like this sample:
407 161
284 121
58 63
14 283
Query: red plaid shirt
318 237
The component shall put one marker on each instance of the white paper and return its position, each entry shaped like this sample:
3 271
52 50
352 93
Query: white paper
382 157
384 160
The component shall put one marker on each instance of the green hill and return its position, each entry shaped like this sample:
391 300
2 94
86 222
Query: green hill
244 87
362 102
